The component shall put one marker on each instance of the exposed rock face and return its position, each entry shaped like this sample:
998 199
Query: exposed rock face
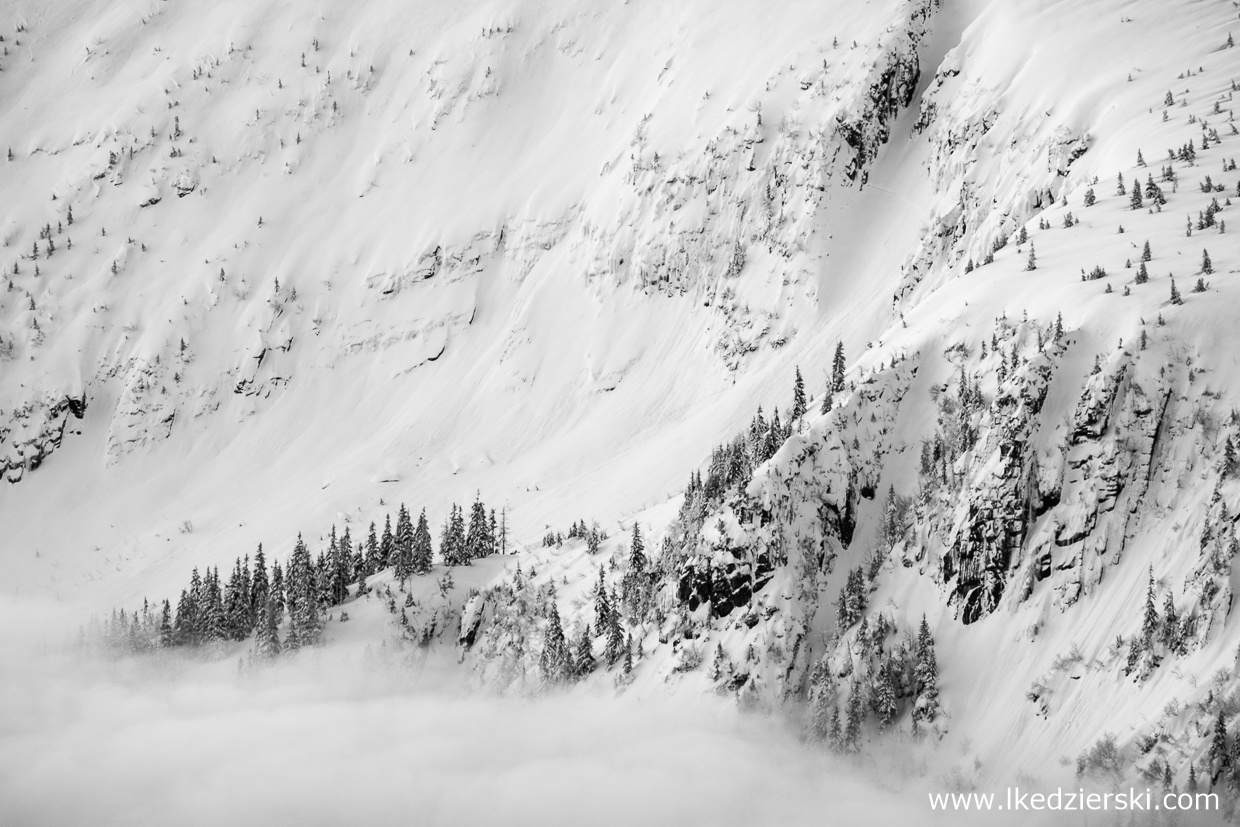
35 430
727 581
999 502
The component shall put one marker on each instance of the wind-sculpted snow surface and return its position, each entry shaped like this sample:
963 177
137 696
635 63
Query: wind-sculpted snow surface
932 304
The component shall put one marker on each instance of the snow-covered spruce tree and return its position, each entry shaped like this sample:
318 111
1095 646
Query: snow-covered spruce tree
837 369
602 606
798 396
853 715
584 661
1142 659
637 585
1219 758
615 647
267 636
555 662
851 605
212 610
422 548
260 586
339 567
1032 263
925 677
883 691
165 625
402 546
278 592
835 735
371 552
452 539
1175 294
1207 266
386 543
477 537
302 599
822 706
1170 636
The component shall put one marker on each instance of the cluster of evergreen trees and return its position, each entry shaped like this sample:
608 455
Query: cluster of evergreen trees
1163 635
256 600
732 463
563 661
1222 760
592 534
887 680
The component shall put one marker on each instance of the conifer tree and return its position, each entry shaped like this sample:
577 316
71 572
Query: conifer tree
422 546
1207 266
1032 263
452 541
1170 626
1175 294
628 654
386 543
267 636
260 588
1219 757
852 718
277 589
614 650
798 396
637 556
477 542
372 550
585 653
837 369
602 607
165 626
402 546
1146 255
1149 620
835 738
822 701
214 624
1143 274
555 662
302 599
925 676
884 692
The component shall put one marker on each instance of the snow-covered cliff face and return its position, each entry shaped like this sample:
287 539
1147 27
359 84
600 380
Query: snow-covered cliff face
1042 445
460 245
400 252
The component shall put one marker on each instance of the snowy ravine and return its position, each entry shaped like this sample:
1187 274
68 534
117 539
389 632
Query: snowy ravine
271 271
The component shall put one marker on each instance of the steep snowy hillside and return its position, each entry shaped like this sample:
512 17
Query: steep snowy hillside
375 253
571 255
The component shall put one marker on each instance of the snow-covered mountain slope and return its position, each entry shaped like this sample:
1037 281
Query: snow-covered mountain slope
325 263
518 247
